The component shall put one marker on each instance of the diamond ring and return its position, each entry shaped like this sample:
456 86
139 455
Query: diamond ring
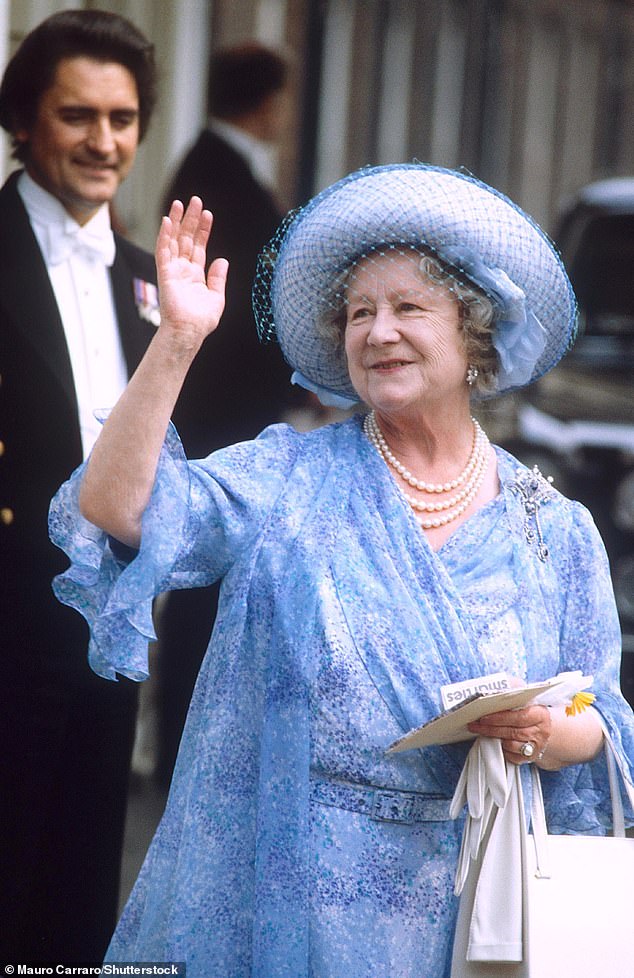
527 749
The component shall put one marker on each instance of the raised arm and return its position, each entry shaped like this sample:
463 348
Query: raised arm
120 473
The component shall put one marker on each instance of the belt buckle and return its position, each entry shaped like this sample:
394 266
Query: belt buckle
392 806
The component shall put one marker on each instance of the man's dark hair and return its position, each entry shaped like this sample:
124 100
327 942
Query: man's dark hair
95 34
242 77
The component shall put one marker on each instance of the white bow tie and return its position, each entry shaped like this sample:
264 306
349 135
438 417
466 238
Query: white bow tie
91 243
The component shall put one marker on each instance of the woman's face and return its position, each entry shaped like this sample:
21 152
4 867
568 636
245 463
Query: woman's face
403 340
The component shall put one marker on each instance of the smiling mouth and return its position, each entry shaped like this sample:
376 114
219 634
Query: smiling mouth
96 167
390 365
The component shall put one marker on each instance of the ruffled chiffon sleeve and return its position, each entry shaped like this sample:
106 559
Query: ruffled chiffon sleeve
202 515
112 586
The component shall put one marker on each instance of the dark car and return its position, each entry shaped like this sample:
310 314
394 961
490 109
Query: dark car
577 422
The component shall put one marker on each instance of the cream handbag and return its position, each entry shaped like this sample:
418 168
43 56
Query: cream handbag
571 912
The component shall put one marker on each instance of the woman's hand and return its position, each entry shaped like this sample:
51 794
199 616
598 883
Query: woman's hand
556 738
516 728
191 303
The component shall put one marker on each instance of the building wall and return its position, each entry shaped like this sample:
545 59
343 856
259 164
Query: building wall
533 97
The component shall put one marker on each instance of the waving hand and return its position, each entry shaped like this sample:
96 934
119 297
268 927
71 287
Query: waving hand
191 303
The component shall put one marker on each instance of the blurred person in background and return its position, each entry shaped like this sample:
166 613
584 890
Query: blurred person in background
234 391
77 309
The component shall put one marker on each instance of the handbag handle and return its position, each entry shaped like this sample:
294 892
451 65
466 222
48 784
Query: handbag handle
538 814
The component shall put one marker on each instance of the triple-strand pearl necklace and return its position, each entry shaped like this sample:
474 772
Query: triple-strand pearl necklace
467 483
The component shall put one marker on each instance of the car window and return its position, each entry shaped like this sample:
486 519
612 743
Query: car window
601 268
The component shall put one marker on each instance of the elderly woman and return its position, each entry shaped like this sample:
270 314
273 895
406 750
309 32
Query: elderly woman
364 566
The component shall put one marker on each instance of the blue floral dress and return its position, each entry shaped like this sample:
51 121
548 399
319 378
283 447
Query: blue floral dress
292 844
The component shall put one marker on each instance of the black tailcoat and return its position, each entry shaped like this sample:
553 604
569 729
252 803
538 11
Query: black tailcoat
66 734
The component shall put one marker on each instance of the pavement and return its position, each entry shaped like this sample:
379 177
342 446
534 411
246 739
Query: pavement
146 802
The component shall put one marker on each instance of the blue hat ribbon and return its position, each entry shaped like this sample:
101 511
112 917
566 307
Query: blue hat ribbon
327 397
518 337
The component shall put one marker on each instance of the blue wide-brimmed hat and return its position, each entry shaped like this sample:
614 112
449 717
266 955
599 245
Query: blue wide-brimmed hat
471 227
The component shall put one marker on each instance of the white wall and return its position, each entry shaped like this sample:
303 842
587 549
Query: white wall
4 54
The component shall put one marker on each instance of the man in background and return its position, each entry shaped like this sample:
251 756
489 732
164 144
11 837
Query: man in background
237 385
77 305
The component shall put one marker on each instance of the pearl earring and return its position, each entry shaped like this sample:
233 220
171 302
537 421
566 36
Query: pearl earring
472 374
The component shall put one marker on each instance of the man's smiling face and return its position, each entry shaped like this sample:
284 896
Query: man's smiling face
85 135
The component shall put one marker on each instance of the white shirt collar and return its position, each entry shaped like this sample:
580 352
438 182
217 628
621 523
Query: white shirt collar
53 226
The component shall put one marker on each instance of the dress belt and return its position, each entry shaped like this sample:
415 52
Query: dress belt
381 804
